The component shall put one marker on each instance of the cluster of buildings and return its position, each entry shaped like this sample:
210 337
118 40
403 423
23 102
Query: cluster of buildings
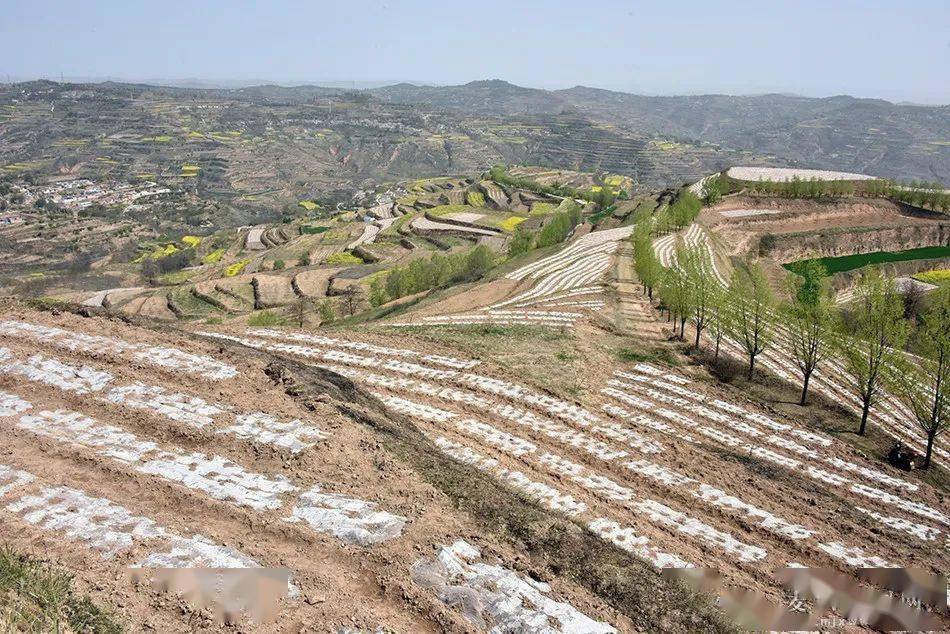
80 193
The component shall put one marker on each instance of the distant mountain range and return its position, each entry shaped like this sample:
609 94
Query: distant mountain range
860 135
406 130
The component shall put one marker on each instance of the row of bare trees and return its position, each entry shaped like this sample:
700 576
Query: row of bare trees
872 341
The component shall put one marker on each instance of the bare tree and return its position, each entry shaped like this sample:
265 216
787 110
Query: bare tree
352 299
302 306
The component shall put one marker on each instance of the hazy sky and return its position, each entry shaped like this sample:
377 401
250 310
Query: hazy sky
897 50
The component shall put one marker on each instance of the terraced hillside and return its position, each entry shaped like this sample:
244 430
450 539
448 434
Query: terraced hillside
129 447
656 461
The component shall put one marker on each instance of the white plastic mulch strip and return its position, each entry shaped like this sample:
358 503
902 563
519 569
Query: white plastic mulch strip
783 174
517 447
104 526
567 273
351 520
592 304
294 435
214 476
524 418
576 274
698 188
580 294
11 478
652 510
639 383
576 249
191 410
694 235
926 533
777 458
11 404
108 527
545 495
81 380
559 502
596 483
517 393
470 427
196 552
475 319
336 356
451 362
186 362
498 599
627 539
171 358
854 556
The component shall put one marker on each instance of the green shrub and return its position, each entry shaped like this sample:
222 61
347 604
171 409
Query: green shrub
264 319
327 312
439 270
521 242
560 226
377 294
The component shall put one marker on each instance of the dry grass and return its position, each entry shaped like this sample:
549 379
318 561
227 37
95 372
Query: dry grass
35 597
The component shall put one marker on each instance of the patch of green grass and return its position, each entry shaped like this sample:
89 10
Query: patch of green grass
940 277
475 199
214 257
35 597
541 209
264 319
338 234
444 210
850 262
310 229
342 258
654 355
173 278
511 223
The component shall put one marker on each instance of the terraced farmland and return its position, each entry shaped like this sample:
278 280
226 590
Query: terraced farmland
124 447
671 469
551 290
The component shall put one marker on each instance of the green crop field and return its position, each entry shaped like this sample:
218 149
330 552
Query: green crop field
940 277
856 261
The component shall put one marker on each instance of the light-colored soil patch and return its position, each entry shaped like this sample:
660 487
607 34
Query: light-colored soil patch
314 283
273 290
477 297
156 307
466 216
